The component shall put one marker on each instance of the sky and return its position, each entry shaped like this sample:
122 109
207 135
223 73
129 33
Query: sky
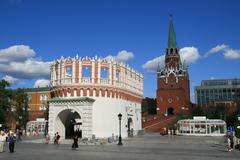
33 33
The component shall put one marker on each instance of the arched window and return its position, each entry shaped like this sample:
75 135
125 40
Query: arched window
69 92
81 92
75 92
88 92
94 92
106 93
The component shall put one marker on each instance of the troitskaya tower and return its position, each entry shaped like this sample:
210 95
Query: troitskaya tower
172 80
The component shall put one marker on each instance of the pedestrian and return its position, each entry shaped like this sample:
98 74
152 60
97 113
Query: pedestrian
56 138
231 143
47 138
2 141
75 142
11 142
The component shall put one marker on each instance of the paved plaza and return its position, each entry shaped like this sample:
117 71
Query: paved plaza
144 147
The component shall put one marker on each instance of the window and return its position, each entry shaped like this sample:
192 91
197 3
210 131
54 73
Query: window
104 72
177 98
161 99
45 98
68 71
117 75
43 108
29 98
41 97
86 71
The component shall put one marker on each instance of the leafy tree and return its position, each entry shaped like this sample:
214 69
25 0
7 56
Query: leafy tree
149 104
5 96
198 111
21 103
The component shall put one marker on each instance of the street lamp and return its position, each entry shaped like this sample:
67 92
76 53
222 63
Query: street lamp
120 137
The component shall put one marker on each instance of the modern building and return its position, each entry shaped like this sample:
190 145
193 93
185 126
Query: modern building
200 126
37 101
173 94
218 91
89 93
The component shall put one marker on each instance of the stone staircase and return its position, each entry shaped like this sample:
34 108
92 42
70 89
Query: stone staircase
158 123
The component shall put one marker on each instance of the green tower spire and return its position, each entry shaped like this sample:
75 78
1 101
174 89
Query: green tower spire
172 43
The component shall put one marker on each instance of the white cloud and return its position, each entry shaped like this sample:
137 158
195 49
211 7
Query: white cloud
151 65
231 54
10 79
227 52
122 56
188 55
20 61
216 49
16 53
41 83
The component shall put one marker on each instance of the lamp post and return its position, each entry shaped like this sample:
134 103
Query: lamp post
120 137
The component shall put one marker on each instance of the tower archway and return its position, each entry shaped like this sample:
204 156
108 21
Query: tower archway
170 111
68 123
130 127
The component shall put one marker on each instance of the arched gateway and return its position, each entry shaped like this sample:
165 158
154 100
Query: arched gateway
67 116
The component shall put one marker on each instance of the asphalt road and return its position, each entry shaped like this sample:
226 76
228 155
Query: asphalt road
146 147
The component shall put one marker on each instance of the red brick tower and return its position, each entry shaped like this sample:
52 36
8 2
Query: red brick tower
173 95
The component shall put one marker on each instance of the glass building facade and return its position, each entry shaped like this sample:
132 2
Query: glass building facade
214 91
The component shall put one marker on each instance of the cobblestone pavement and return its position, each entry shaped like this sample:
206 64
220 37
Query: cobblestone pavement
145 147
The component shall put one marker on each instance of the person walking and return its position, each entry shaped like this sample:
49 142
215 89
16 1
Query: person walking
228 144
56 138
75 142
11 142
231 143
47 138
2 141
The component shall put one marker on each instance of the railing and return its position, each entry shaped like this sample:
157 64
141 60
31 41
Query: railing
104 81
86 80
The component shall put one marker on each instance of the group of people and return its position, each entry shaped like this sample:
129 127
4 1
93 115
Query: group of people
57 138
10 137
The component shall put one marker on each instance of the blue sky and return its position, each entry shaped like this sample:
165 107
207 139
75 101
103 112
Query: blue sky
35 32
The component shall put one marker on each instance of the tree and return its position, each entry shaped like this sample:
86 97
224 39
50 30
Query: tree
149 104
198 111
21 103
5 96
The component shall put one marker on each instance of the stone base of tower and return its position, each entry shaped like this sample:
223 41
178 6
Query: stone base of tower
93 117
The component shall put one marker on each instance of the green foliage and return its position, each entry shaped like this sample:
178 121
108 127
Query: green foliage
198 111
21 103
5 95
149 104
217 112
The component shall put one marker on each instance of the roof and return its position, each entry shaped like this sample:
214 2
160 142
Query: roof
72 99
40 89
172 43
